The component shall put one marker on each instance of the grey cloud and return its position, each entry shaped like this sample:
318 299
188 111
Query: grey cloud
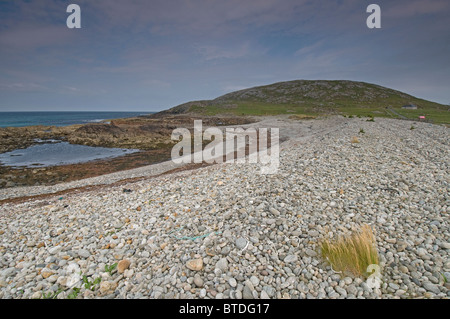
414 8
32 38
213 52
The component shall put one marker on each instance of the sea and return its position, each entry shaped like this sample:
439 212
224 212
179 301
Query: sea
54 152
20 119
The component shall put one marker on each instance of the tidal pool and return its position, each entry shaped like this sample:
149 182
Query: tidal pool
53 153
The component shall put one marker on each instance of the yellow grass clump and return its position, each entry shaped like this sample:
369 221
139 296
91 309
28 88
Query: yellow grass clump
352 253
354 140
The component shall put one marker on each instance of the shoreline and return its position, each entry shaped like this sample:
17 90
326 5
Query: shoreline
148 134
121 176
62 122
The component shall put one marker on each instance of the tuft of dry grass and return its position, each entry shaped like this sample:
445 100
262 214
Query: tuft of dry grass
352 253
354 140
301 117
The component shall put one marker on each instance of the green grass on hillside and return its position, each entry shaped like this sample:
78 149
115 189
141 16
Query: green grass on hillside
436 116
320 98
254 108
259 109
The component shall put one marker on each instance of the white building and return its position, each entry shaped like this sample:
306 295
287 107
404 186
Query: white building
409 107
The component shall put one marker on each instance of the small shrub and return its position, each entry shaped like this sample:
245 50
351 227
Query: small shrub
74 293
361 131
110 269
51 295
90 285
352 253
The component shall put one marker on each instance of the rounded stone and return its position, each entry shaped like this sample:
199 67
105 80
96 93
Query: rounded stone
123 265
195 264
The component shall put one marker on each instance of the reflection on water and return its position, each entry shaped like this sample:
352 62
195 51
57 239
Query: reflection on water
58 153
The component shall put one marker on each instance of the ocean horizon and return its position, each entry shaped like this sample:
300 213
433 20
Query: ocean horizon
64 118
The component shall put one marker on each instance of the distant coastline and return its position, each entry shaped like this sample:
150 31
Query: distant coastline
56 118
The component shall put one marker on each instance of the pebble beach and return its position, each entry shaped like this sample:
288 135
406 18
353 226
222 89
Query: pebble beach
227 231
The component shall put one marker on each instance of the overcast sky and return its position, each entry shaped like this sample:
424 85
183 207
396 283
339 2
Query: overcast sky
146 55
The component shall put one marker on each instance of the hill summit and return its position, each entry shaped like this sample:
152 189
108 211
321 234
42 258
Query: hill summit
316 97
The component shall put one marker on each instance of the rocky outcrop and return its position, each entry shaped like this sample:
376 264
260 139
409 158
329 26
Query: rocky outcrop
110 129
151 135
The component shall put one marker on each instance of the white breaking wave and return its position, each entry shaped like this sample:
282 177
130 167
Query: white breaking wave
94 121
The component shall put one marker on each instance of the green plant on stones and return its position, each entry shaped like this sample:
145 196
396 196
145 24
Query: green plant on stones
361 131
51 295
111 232
90 285
412 127
110 269
74 293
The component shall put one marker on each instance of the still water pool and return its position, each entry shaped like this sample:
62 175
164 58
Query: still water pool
52 153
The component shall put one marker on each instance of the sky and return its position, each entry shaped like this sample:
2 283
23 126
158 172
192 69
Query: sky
148 55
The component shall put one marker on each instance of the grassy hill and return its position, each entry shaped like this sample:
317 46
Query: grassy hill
315 98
